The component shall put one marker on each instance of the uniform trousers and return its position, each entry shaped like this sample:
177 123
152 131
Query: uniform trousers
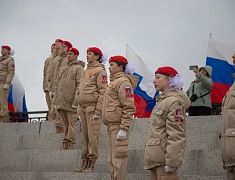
158 173
69 120
231 173
117 153
48 100
55 114
3 103
90 132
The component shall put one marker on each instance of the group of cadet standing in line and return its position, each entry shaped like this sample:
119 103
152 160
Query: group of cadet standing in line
72 91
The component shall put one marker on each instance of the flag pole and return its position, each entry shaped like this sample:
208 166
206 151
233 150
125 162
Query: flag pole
210 35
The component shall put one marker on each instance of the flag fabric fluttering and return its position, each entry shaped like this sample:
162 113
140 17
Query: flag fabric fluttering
16 99
145 93
219 57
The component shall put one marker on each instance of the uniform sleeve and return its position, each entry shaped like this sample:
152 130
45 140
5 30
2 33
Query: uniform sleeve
205 81
126 97
50 75
10 71
101 86
175 128
78 80
44 75
56 87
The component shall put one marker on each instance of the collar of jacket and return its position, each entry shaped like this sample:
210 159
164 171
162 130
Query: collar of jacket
4 57
56 54
63 55
72 62
94 64
166 93
116 75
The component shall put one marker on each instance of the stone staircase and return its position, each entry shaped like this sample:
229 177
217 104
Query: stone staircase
32 151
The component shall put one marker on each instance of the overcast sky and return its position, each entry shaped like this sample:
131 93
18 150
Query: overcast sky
162 32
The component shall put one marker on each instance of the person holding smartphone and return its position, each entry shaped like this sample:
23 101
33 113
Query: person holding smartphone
199 92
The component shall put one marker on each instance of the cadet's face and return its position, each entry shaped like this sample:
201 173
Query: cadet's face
63 48
57 45
71 56
233 59
52 49
4 52
161 82
91 57
114 68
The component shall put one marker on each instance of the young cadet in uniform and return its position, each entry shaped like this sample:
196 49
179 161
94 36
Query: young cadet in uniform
228 131
55 56
59 62
90 99
7 71
117 114
45 80
166 140
66 91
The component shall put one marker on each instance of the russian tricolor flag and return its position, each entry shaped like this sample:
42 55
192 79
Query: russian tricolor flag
219 57
16 98
145 93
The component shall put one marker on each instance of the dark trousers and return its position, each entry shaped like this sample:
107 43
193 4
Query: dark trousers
199 111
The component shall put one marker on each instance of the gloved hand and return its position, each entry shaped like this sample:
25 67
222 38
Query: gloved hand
95 116
169 168
6 86
74 107
121 134
51 94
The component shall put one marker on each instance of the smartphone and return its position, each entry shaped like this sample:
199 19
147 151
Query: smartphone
193 66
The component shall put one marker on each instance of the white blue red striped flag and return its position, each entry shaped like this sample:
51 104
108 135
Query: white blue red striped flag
219 57
16 98
145 93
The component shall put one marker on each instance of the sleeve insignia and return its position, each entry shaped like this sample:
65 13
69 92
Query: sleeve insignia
104 79
178 115
128 92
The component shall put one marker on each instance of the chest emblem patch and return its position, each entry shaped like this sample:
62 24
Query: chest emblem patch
91 75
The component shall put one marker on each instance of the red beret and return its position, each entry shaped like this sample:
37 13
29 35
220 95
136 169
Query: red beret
59 40
6 47
95 50
118 59
166 70
74 50
67 44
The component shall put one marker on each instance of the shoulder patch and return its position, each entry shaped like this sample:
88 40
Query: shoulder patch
104 79
178 115
128 91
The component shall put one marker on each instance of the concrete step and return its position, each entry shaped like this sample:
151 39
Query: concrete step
48 127
196 162
86 176
34 148
200 137
61 161
66 176
53 142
